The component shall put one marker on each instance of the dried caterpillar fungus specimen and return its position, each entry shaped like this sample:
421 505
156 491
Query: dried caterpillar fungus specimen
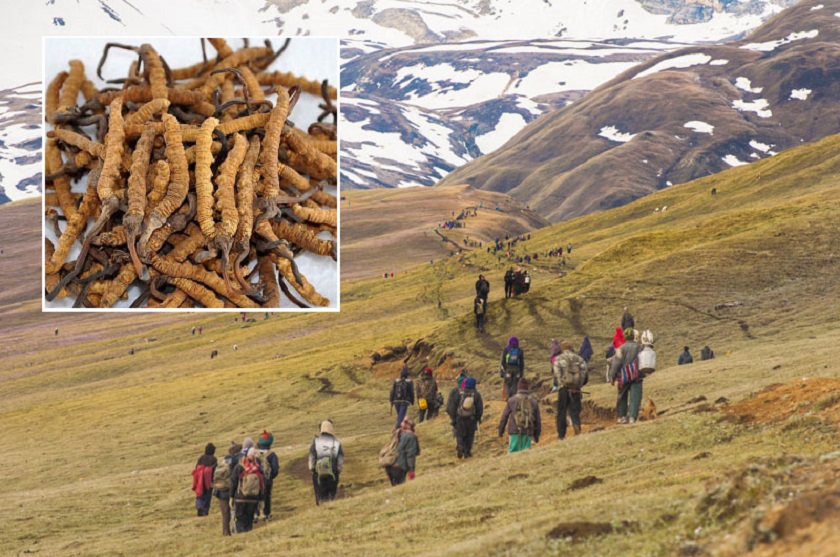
178 182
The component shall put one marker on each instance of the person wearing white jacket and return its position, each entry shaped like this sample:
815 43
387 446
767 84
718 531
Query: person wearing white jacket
326 459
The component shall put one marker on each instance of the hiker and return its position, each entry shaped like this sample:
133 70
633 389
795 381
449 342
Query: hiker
200 328
221 485
402 394
270 468
625 372
203 480
512 366
480 309
326 459
627 321
526 282
586 352
408 449
247 485
482 287
465 409
685 357
193 330
571 373
521 417
247 444
569 248
427 395
509 283
706 353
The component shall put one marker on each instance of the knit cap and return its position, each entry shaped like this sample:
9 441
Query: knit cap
469 383
265 440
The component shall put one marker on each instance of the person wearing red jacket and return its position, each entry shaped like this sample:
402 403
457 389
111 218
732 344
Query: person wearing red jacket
203 480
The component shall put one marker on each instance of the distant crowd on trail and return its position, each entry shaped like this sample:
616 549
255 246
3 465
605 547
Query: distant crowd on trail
243 480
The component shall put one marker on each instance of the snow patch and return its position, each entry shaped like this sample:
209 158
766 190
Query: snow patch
744 84
719 62
800 94
758 146
612 133
685 61
509 124
759 106
817 7
700 127
772 45
732 160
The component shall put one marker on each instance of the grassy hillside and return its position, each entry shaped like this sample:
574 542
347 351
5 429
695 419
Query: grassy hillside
99 444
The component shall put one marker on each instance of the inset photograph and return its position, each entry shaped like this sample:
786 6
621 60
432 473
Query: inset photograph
191 174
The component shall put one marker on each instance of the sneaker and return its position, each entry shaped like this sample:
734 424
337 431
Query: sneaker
622 420
256 519
632 420
269 517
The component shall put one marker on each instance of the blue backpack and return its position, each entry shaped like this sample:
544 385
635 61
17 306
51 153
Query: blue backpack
513 356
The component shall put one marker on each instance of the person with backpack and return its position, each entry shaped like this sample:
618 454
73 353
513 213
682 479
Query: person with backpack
203 480
482 287
402 394
247 485
247 444
480 309
624 371
509 282
408 448
221 485
571 373
465 408
685 357
627 321
270 468
326 459
512 366
706 353
427 395
521 417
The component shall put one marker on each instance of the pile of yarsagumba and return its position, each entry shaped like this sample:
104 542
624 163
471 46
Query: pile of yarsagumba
199 189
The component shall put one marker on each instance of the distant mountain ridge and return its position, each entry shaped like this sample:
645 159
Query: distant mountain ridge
20 142
683 115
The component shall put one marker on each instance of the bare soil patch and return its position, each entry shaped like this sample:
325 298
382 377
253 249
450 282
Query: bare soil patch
819 396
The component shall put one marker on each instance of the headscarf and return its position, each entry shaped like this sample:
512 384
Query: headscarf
407 424
618 338
513 342
404 372
586 351
553 348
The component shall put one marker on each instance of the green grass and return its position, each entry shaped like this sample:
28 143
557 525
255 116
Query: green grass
99 444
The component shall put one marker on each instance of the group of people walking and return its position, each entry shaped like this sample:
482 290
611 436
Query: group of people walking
243 480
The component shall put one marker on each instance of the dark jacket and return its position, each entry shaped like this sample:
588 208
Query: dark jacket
408 395
273 463
327 445
509 416
685 358
627 321
504 365
407 450
482 287
455 401
624 355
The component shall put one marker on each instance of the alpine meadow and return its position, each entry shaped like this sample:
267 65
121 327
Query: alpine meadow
743 455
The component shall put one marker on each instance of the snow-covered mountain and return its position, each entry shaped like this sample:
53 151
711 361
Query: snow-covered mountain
20 142
377 24
681 116
413 114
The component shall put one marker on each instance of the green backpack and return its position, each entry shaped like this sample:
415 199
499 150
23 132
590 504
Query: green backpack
221 475
324 467
523 414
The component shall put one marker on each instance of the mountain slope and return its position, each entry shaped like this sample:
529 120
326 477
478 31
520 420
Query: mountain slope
703 477
683 115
